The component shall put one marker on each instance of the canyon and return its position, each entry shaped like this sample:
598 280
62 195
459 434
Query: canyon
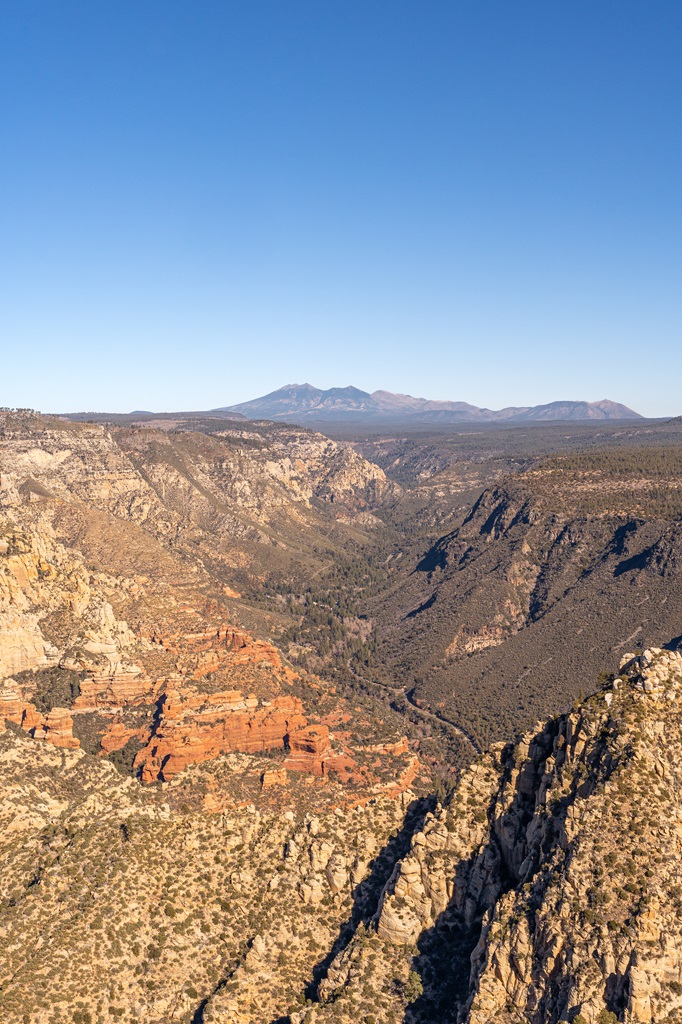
295 729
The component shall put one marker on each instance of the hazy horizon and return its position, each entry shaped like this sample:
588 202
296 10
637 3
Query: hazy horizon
431 398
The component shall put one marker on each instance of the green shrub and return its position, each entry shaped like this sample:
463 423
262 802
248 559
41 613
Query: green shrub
413 987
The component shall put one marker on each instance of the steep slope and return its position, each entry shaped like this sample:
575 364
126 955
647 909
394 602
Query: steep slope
581 555
245 497
117 621
546 889
171 791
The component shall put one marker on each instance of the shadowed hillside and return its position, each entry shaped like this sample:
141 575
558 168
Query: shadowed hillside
552 572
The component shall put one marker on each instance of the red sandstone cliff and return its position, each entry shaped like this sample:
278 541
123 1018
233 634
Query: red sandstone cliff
193 727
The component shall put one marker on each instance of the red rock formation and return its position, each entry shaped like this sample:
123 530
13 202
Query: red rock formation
116 737
311 752
12 704
191 726
274 777
400 747
116 691
194 727
56 727
209 648
308 747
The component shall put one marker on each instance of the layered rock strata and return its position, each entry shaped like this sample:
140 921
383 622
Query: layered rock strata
191 728
546 889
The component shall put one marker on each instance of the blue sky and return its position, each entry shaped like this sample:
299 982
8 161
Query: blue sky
201 201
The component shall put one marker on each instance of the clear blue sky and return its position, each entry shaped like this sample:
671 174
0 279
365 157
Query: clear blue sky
203 200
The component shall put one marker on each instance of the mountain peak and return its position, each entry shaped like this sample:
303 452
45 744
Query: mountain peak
306 403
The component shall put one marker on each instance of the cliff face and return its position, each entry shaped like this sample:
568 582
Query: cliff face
190 728
582 560
596 924
237 483
546 890
114 628
166 697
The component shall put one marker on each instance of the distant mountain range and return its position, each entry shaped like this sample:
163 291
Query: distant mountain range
304 403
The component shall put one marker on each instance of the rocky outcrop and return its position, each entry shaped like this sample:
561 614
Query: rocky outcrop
309 747
127 687
545 889
591 923
55 727
274 777
193 727
311 752
130 904
118 735
40 577
22 645
417 894
202 653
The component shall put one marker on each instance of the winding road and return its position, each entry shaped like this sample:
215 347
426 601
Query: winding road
407 694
